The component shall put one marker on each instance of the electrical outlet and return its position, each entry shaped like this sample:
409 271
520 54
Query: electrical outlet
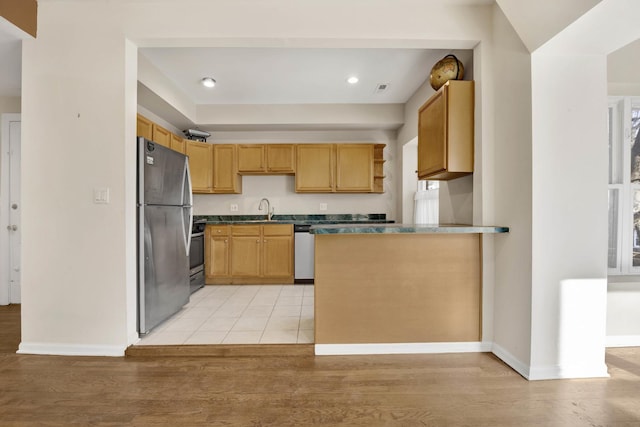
233 207
323 206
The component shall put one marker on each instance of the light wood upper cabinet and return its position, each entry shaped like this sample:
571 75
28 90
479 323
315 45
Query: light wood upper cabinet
144 127
266 158
354 167
315 168
326 168
251 158
201 166
178 144
281 158
445 132
225 173
161 136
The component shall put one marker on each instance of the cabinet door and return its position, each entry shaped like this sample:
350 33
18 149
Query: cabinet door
354 167
277 259
446 132
251 158
178 144
144 127
217 253
161 136
225 172
314 168
246 246
432 153
201 166
280 158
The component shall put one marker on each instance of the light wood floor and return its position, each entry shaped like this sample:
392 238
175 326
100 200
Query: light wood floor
302 390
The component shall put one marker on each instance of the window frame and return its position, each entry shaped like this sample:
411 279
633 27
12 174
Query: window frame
619 123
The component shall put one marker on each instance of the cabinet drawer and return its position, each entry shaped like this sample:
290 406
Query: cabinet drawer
245 230
219 230
278 230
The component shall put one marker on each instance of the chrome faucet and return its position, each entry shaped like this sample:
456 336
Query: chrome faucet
269 210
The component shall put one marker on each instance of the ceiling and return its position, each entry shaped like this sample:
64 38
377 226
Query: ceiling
295 75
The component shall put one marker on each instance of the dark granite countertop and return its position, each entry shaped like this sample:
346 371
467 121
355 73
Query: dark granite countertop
404 228
296 219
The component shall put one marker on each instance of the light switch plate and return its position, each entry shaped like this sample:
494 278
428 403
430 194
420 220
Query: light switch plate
323 206
233 207
101 195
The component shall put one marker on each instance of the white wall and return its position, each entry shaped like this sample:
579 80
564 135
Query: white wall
280 189
623 316
512 196
570 140
78 126
409 180
569 239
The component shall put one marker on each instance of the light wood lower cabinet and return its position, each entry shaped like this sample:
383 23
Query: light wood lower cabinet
247 253
216 252
277 252
246 246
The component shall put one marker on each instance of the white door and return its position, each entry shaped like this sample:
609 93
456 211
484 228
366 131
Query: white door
10 210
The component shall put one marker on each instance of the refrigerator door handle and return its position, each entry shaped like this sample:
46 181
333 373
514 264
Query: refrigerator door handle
187 189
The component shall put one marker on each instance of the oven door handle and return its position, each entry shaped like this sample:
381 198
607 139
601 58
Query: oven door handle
197 235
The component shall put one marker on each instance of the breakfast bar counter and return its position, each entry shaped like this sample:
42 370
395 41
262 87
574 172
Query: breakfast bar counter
394 288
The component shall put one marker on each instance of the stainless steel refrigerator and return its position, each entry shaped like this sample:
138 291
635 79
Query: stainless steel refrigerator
164 233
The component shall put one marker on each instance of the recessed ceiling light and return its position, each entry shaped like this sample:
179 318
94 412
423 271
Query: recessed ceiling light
352 80
208 82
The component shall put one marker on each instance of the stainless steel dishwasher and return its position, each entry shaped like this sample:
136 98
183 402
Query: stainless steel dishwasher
304 253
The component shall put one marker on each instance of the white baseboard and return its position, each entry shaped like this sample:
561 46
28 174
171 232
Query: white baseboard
71 349
557 372
401 348
508 358
623 341
134 338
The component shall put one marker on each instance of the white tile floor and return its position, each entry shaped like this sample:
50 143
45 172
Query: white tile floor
240 314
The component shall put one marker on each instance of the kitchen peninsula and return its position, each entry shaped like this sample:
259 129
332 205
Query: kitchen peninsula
395 288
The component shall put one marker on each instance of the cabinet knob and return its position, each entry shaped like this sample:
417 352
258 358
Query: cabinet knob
264 241
258 241
219 231
225 240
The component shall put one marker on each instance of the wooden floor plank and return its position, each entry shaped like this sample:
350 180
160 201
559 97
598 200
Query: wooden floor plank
252 389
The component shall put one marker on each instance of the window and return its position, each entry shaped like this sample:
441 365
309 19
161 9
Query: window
624 186
426 202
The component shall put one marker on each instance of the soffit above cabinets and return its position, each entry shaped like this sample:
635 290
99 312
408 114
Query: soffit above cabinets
295 75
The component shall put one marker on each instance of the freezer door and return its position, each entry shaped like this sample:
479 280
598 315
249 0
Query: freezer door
164 179
163 285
